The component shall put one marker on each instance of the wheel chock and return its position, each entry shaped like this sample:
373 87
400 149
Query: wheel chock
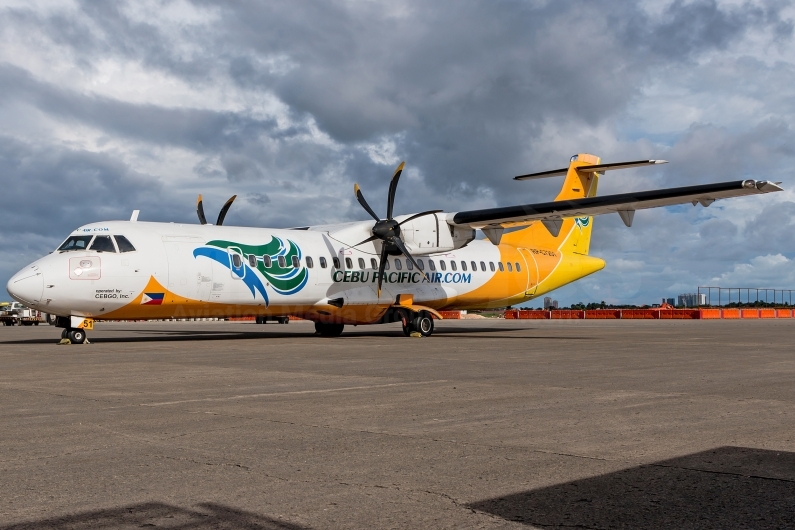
416 334
65 341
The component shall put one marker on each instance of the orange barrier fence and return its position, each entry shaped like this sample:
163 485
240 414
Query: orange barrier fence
647 314
451 315
566 314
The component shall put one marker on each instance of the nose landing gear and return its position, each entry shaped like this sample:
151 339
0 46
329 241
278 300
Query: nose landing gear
75 336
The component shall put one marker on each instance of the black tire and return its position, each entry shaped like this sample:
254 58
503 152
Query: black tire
260 320
77 336
65 334
284 320
423 324
329 330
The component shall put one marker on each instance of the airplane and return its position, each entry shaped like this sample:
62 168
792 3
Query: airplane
401 268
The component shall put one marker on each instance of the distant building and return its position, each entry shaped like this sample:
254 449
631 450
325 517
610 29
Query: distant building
692 299
672 301
554 304
547 302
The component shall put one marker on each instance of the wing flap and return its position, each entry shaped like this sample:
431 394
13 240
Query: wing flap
589 206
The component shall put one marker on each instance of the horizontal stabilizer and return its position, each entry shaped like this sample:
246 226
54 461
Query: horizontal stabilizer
591 169
525 214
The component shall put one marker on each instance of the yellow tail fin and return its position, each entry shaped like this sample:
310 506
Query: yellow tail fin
575 234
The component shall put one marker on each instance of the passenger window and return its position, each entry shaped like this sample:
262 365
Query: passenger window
282 262
103 244
124 244
267 261
421 264
499 264
361 263
386 264
442 265
491 266
75 243
398 264
475 266
252 261
309 262
237 261
336 261
409 265
323 262
510 269
296 263
483 266
432 265
373 263
518 268
463 266
453 265
348 263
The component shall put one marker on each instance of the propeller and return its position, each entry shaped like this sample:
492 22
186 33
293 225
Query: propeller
388 230
221 214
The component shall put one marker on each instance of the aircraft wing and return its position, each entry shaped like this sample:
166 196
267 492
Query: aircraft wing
625 204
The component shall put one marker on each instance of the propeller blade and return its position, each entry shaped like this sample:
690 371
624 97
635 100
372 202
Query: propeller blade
429 212
360 197
371 238
390 200
399 244
381 266
225 209
200 210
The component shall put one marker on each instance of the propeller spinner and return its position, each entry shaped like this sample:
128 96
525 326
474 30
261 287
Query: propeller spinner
221 214
388 230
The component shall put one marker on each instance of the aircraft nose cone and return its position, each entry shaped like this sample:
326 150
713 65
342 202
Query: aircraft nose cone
27 285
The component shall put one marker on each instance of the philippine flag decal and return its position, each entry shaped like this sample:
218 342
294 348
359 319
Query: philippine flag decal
152 298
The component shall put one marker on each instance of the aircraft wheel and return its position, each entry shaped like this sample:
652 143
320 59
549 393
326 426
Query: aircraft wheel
423 323
65 334
77 336
285 320
329 330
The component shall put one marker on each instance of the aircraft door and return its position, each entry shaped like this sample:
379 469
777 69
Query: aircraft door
188 276
531 266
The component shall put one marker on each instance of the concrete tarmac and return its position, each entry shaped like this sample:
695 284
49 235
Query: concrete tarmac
487 424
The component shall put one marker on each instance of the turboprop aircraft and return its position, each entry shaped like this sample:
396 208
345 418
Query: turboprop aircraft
400 268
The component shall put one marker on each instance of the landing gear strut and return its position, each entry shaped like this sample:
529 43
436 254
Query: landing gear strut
421 323
325 329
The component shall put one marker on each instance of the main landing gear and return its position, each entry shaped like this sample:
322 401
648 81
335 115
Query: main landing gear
75 336
325 329
421 323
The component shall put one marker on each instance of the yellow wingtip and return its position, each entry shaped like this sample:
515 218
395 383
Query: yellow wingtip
199 199
356 189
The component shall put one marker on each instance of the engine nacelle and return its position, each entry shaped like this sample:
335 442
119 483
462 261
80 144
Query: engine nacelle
431 233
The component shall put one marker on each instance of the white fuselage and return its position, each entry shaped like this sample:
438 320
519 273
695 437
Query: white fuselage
183 271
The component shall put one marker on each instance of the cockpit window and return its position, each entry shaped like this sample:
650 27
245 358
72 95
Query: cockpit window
75 243
103 244
124 244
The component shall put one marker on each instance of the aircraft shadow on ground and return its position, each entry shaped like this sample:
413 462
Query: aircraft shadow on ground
160 335
726 487
160 515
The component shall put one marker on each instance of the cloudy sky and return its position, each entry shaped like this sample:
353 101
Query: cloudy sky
106 107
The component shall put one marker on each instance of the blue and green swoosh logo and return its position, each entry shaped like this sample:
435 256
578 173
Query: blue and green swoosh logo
284 280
